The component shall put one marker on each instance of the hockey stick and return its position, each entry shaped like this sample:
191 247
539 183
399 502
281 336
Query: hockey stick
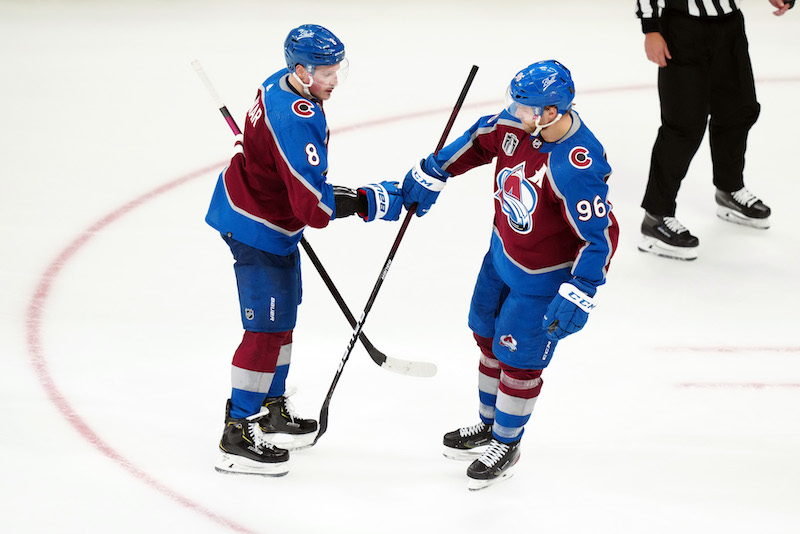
405 367
323 414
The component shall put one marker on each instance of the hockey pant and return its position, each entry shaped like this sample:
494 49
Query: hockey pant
259 370
507 395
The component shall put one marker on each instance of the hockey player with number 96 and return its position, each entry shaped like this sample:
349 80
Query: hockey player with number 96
552 241
275 186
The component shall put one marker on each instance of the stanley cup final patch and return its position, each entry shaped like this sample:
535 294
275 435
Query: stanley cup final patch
510 142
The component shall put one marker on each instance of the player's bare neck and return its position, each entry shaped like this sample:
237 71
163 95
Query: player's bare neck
553 133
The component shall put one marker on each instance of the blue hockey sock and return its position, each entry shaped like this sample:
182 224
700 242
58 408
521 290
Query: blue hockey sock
245 403
278 386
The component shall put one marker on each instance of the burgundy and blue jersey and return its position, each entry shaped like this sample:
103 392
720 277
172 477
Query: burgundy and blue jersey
553 220
275 184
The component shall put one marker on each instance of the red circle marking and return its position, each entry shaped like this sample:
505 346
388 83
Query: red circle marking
39 298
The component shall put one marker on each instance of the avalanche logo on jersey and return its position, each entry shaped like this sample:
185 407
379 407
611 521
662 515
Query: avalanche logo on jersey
303 108
509 342
579 158
517 198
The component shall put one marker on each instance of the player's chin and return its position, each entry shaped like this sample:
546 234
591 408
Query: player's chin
324 94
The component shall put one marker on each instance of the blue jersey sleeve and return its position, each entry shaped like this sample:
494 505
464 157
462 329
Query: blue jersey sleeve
578 174
475 147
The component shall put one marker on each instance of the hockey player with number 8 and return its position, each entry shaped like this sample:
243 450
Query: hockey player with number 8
275 186
552 241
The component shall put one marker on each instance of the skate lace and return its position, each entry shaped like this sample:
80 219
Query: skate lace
471 430
494 453
288 409
673 224
744 197
258 436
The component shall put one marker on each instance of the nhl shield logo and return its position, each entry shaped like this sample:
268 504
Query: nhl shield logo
249 314
510 142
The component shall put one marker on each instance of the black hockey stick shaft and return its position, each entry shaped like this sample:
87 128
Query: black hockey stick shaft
377 356
323 414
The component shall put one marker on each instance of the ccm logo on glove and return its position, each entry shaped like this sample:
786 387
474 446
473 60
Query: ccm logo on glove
577 297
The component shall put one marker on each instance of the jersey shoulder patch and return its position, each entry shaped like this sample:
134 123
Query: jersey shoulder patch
303 108
579 157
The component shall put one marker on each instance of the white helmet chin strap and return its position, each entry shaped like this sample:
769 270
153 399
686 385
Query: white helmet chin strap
306 86
540 127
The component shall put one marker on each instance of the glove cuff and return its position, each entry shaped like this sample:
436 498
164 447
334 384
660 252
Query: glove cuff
427 181
377 202
577 297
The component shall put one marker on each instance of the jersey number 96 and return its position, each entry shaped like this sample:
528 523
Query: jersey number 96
587 209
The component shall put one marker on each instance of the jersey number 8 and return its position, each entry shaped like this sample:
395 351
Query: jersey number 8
313 156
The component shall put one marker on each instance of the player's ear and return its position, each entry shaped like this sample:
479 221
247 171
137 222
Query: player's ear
302 73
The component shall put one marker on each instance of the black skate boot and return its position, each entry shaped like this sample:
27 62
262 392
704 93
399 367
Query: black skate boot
742 207
496 464
246 451
467 443
665 236
282 426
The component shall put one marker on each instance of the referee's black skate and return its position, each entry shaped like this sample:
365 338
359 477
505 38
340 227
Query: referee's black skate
665 236
283 427
496 464
742 207
467 443
246 451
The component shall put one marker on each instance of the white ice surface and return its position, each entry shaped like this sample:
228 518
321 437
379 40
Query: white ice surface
675 410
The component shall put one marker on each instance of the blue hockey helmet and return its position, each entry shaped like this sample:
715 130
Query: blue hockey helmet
311 45
542 84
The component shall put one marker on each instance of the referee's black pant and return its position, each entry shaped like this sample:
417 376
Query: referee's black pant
709 75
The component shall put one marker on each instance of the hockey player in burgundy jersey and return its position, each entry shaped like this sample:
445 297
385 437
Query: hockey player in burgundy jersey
275 186
552 241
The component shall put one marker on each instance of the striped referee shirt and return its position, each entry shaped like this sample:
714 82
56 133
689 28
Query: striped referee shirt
650 10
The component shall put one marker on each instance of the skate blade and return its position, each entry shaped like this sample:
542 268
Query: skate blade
733 216
291 442
463 454
659 248
475 484
236 465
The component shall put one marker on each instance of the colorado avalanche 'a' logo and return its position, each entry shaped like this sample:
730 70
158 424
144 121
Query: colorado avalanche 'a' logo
509 342
517 198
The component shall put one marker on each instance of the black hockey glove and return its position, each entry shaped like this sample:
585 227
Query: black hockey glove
348 201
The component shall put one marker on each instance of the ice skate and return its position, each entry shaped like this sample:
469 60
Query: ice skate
467 443
495 465
283 428
246 451
742 207
666 237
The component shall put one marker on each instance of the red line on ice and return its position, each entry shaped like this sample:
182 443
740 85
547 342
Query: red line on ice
39 301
